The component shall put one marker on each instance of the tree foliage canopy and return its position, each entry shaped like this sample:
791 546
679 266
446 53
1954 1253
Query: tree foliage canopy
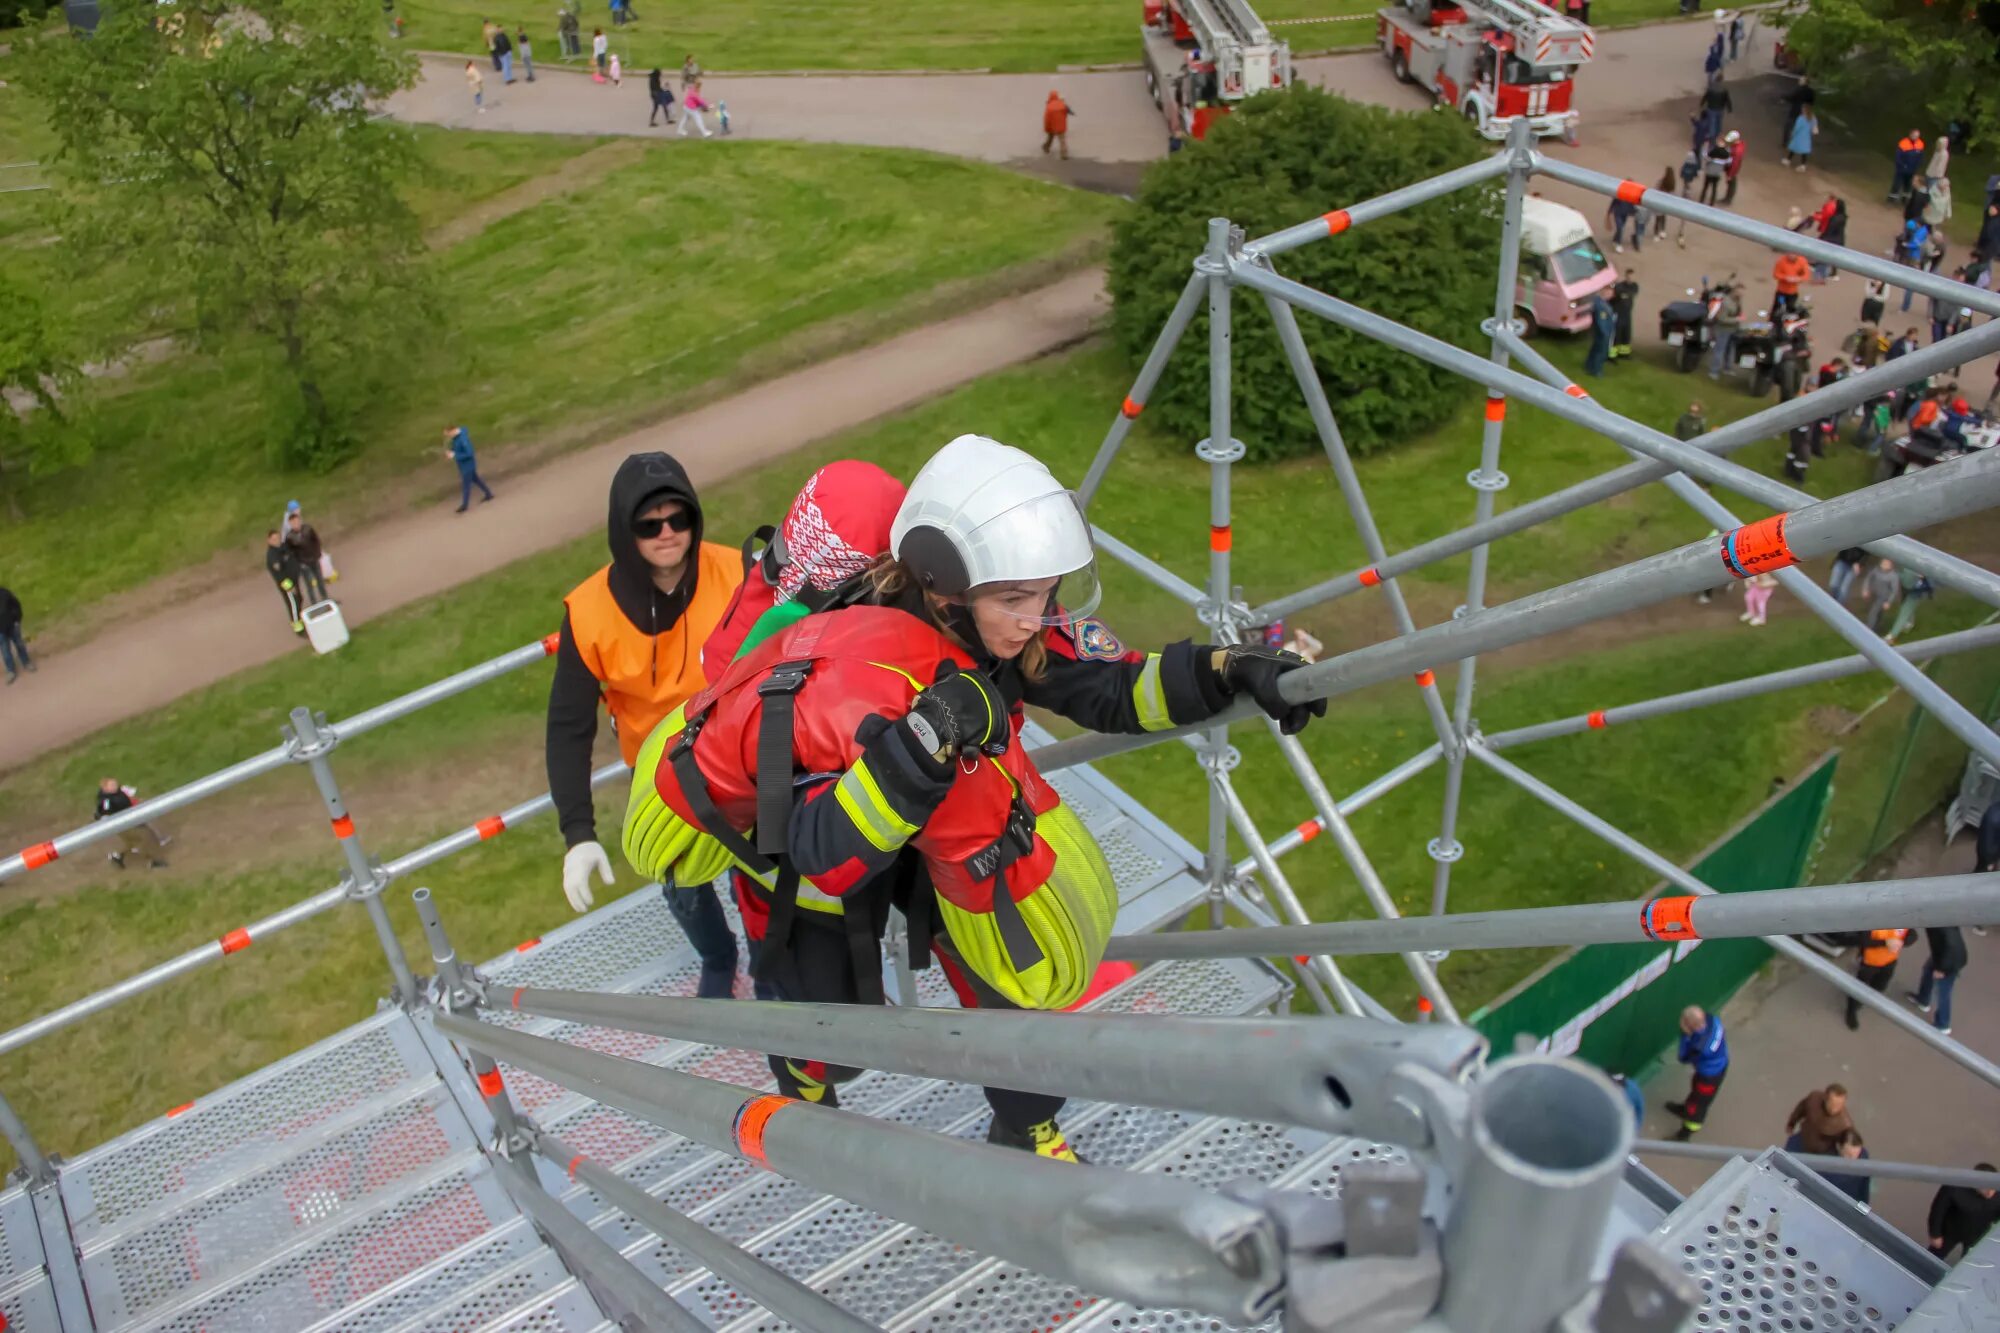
224 151
1281 159
39 377
1946 55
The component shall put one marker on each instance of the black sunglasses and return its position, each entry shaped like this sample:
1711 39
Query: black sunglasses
648 528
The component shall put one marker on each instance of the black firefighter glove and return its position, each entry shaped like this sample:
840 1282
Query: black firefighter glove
1256 672
961 710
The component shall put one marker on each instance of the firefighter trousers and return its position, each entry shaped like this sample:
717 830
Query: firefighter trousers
1701 1095
824 974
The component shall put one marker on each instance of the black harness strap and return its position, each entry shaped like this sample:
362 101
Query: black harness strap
774 752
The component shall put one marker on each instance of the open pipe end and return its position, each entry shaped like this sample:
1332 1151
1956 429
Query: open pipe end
1555 1121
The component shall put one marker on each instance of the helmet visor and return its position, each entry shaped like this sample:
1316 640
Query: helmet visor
1049 601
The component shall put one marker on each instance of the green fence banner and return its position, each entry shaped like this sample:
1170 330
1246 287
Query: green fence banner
1618 1005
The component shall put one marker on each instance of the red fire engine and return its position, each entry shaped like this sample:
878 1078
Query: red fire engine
1202 56
1490 60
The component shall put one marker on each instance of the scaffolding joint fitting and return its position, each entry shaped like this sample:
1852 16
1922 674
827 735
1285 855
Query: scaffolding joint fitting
1643 1293
1232 452
1368 1260
1493 328
371 887
1217 760
308 737
1445 850
1496 480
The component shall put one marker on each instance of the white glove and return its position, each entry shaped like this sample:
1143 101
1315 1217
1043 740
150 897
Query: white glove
578 862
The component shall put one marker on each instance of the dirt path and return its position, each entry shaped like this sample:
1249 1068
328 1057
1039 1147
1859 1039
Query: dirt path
150 661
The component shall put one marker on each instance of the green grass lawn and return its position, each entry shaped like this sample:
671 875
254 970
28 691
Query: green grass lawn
881 35
1675 782
676 276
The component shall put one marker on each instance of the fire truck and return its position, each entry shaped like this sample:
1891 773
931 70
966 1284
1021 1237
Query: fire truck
1490 60
1203 56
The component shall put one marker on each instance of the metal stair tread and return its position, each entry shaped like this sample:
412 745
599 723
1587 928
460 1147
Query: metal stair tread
535 1276
445 1284
28 1303
566 1308
21 1253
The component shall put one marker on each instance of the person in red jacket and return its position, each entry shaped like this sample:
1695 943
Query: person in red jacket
1789 272
1055 122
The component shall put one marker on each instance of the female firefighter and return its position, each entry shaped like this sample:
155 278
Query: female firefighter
869 755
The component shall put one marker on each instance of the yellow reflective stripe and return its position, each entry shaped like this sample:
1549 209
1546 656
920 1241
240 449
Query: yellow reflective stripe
1148 699
870 811
809 896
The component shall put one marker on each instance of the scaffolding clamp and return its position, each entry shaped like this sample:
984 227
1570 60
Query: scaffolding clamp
1368 1261
308 736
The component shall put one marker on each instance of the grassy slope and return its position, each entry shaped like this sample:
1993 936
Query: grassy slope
672 277
1675 782
881 34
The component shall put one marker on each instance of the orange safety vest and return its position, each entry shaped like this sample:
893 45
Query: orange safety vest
1055 116
1886 944
647 676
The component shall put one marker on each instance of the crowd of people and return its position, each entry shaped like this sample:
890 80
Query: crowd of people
607 66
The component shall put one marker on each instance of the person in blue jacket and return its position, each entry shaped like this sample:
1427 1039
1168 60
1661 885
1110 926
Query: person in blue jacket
458 448
1630 1087
1703 1045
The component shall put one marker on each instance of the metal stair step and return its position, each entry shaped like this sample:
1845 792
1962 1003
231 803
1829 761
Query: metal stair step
21 1255
566 1309
496 1273
323 1272
232 1226
28 1303
522 1285
264 1118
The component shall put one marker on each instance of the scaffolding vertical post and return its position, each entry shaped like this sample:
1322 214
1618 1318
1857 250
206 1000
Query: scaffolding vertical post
454 993
34 1162
1142 386
1487 482
312 741
1219 450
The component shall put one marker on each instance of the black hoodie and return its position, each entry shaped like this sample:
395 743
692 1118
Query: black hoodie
642 481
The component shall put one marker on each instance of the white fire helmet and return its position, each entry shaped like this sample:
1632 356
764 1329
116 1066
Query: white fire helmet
982 516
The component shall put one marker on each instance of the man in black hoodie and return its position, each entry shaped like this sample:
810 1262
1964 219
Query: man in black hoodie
1962 1215
631 636
283 566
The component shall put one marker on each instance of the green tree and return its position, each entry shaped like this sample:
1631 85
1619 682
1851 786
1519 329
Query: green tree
1942 57
1284 158
39 380
225 152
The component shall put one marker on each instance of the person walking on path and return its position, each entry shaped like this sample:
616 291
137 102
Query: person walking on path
1799 142
1788 273
489 31
617 71
662 96
458 448
1987 247
1737 150
503 55
527 51
1914 588
1692 422
1961 1215
1704 1046
1941 969
1908 161
1735 36
690 72
283 567
1846 566
693 105
600 54
1879 589
1620 213
477 83
13 643
1624 300
1757 590
631 636
1714 171
114 799
1832 230
302 539
1665 186
1055 122
1818 1121
1857 1188
1875 966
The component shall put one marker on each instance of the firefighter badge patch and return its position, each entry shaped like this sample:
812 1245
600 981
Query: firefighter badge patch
1094 641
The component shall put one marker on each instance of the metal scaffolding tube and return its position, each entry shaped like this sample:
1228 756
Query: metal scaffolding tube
139 983
1776 238
1748 430
457 994
1360 867
1670 452
608 1274
1298 836
268 761
1921 1172
1151 1239
1927 693
1923 650
1281 889
365 884
34 1163
1381 206
1939 900
778 1292
1220 449
1147 568
1149 376
1849 986
1935 495
492 826
1278 1069
1358 511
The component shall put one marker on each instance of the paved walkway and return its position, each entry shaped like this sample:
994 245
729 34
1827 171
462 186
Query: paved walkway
1635 95
1910 1104
418 555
